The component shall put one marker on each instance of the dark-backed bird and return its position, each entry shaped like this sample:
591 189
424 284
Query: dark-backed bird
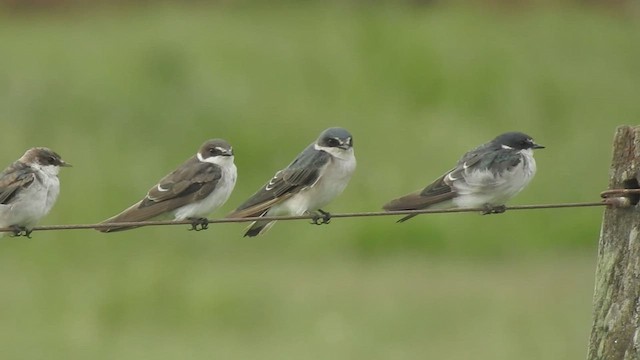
314 178
195 189
28 189
487 176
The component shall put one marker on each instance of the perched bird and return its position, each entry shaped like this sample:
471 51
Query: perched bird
316 176
196 188
487 176
28 189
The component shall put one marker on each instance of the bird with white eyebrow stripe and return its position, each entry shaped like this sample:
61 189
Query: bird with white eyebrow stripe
487 177
196 188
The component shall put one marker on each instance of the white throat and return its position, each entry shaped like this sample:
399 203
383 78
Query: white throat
336 152
217 160
527 152
51 170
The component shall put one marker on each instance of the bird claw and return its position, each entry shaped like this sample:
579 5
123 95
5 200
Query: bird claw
202 222
321 218
491 209
18 231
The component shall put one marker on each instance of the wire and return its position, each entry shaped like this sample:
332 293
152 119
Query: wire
607 202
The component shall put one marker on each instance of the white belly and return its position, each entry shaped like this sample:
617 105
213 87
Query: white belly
332 183
31 204
214 201
482 188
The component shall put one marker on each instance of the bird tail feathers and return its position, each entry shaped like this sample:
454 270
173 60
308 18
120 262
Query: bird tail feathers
258 227
128 215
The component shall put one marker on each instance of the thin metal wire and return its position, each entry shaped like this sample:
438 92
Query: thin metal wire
310 217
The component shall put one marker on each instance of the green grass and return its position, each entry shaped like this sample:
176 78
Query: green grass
127 95
167 302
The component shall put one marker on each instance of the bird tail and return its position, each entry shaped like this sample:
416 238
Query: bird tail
406 218
124 216
417 201
258 227
407 202
115 228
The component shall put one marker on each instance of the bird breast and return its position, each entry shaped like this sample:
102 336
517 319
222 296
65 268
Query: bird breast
334 179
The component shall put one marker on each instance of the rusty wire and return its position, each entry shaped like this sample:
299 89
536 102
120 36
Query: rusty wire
609 201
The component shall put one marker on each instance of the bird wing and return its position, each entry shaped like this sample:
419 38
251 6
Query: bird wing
440 190
193 181
484 170
302 173
13 179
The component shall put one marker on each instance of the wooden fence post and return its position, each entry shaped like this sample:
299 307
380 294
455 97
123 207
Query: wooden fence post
615 334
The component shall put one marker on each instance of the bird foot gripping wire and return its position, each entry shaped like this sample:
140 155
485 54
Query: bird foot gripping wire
199 224
491 209
320 218
620 198
20 231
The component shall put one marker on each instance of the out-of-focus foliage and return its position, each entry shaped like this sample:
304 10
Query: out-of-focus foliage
127 94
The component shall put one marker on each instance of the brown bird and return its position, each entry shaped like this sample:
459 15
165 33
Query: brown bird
196 188
28 189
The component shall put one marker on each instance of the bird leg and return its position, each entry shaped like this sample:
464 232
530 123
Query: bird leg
493 209
18 231
202 222
321 217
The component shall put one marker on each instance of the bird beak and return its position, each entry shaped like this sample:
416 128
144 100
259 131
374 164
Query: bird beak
345 145
65 164
537 146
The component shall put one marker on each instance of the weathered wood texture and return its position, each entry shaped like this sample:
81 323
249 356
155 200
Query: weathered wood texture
616 302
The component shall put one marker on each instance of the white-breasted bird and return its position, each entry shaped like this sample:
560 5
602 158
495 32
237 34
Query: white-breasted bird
28 189
316 176
195 189
487 176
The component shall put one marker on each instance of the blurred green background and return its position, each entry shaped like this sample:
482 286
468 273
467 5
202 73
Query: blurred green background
126 94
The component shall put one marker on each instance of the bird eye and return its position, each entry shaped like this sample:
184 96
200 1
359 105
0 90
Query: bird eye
333 142
52 160
212 150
